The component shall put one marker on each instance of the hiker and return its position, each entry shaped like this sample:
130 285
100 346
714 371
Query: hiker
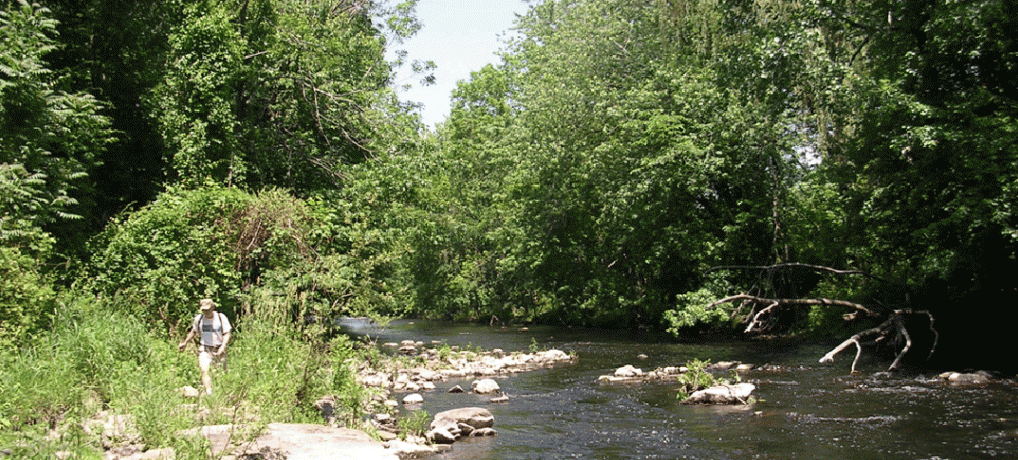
215 329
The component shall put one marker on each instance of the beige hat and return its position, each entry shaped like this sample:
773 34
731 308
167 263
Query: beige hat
207 304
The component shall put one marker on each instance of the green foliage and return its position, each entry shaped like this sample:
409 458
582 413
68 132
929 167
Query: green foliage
414 423
49 138
691 307
280 92
197 96
695 378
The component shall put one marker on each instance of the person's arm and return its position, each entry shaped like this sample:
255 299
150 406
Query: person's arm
222 348
190 335
183 343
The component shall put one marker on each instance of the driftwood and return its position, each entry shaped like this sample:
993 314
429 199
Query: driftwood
895 321
760 308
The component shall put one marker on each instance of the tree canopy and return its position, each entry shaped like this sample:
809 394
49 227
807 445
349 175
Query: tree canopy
600 174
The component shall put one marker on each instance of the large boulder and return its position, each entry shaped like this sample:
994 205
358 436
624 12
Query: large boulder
292 442
484 386
722 394
475 417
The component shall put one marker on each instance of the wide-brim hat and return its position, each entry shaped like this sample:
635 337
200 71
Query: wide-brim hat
207 304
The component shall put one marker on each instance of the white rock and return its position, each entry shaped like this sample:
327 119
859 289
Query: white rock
441 435
484 386
722 394
628 371
413 398
476 417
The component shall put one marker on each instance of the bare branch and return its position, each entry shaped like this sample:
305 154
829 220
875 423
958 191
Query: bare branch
908 340
818 301
829 357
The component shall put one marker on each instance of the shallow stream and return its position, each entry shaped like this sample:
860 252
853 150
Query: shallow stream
804 409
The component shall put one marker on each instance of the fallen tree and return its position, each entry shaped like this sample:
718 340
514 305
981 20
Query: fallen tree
760 312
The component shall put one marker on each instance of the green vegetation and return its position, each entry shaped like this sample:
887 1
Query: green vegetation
156 152
697 377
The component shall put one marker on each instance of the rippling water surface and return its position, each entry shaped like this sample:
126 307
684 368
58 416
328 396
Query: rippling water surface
805 410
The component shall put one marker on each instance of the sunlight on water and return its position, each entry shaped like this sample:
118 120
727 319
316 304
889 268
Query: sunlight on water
806 410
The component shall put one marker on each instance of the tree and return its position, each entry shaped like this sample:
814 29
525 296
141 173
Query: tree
278 92
49 140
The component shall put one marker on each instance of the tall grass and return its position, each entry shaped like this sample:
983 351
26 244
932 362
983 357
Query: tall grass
95 364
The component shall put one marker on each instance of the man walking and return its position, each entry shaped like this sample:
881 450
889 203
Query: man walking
214 329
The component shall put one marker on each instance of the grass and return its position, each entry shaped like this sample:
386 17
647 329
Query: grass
95 365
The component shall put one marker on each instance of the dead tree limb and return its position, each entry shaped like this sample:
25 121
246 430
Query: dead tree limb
816 268
763 308
773 303
829 357
894 323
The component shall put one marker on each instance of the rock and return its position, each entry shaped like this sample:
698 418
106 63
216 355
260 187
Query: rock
722 394
157 454
484 386
642 356
453 373
409 450
456 389
391 403
427 386
500 399
113 429
628 371
413 398
427 374
306 442
407 349
326 406
483 432
474 416
554 355
958 377
188 392
441 435
468 421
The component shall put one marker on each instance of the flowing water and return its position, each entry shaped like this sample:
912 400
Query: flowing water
804 409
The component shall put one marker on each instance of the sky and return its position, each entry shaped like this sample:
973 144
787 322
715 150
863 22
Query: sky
460 36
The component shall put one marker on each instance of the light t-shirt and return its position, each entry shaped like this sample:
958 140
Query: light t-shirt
212 330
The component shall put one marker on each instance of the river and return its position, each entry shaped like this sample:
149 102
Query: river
804 409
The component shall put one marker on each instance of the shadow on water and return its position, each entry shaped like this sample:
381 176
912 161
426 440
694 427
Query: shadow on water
805 410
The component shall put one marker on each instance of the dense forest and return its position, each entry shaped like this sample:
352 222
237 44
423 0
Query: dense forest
627 164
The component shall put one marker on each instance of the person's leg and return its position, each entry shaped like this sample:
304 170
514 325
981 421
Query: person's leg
204 363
